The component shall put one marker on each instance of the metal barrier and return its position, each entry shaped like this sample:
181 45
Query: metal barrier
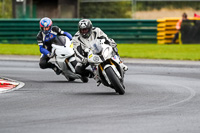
24 31
167 28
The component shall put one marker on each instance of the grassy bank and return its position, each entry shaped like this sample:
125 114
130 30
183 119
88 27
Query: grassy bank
145 51
154 51
19 49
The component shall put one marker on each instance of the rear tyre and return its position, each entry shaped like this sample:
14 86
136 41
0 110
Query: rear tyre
71 79
115 81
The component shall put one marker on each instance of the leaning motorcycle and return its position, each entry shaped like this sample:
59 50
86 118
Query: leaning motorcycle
106 66
62 50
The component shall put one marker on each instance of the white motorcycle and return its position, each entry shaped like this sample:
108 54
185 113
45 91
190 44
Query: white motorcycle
62 50
106 66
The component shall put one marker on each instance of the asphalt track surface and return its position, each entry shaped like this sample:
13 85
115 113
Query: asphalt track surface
160 98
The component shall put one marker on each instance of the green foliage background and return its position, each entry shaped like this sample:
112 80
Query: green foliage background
150 5
105 10
7 12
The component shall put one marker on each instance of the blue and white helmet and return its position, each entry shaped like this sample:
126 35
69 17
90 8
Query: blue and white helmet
45 23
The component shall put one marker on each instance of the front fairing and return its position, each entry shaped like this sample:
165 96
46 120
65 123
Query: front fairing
63 51
106 53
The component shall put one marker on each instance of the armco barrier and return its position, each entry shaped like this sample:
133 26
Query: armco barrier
167 28
24 31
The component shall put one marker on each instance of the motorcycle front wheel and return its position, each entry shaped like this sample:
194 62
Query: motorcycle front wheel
115 81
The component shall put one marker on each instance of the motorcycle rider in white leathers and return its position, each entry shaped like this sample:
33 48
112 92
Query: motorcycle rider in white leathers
83 39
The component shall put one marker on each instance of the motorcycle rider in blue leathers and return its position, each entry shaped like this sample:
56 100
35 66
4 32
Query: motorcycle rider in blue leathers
45 38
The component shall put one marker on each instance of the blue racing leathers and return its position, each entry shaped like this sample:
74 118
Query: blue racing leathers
45 40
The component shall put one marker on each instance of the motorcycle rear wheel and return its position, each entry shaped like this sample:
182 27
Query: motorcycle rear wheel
115 81
71 79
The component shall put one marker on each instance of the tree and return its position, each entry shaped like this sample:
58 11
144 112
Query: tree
6 9
105 10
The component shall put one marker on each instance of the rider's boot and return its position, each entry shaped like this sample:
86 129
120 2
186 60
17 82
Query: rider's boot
98 83
96 77
123 66
57 70
89 74
85 75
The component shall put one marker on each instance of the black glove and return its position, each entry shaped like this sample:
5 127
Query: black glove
85 61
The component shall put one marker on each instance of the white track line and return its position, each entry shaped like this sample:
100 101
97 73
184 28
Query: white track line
192 94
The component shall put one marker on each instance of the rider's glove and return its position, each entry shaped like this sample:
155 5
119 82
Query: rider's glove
87 50
85 61
50 55
112 43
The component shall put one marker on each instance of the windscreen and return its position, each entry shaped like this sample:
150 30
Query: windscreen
60 40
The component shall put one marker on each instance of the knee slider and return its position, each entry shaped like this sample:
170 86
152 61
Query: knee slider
42 65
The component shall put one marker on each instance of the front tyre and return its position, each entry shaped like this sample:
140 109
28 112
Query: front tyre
115 81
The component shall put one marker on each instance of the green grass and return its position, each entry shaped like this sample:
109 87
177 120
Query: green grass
145 51
154 51
19 49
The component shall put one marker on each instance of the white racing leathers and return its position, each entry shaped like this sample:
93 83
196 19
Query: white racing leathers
81 45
